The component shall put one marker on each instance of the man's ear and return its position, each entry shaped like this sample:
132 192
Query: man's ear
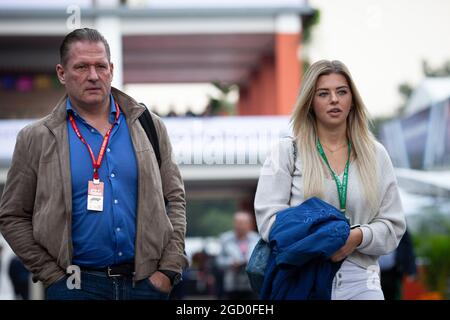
111 66
60 73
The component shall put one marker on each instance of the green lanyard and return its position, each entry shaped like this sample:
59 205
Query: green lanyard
341 186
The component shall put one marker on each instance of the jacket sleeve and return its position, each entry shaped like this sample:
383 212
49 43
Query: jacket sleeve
173 257
383 233
16 215
273 192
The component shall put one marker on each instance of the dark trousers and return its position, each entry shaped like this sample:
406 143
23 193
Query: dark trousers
391 284
98 286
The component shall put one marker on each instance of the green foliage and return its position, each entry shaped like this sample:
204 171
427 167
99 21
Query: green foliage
434 222
222 104
308 24
208 218
432 242
442 71
435 248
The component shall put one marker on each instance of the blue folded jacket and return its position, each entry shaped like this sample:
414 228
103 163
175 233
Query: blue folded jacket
302 239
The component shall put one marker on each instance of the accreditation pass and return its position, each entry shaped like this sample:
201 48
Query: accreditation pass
95 196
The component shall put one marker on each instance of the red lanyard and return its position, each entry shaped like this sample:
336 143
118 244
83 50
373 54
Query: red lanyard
98 162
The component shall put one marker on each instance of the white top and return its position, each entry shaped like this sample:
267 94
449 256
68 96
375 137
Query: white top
382 229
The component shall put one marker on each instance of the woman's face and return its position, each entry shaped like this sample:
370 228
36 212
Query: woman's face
332 101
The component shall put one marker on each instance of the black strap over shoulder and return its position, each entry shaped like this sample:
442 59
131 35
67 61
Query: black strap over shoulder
149 127
294 144
147 123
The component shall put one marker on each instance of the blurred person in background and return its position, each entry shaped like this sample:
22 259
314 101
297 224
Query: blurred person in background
395 266
86 189
236 248
333 150
202 273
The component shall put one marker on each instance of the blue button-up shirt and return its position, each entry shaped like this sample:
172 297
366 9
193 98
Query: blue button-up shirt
103 238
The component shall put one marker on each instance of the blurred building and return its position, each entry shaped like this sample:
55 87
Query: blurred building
254 44
421 139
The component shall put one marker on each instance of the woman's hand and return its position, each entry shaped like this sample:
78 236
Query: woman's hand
353 240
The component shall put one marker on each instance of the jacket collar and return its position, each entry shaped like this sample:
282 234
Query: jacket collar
128 106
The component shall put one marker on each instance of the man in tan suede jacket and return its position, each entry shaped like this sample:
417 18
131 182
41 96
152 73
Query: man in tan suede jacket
85 194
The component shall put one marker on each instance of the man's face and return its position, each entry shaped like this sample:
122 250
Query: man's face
87 74
242 224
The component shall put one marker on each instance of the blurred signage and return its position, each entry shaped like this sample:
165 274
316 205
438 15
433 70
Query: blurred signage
225 140
197 140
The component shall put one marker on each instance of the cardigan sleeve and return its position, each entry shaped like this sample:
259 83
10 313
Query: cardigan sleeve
383 233
273 192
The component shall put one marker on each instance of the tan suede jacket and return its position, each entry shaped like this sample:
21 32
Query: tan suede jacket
36 206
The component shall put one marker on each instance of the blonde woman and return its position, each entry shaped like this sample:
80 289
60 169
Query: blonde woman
339 161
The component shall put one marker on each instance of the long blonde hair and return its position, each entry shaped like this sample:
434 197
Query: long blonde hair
305 133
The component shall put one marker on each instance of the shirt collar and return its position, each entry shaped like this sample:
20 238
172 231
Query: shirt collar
112 108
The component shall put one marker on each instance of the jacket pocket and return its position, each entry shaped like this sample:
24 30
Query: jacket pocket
156 232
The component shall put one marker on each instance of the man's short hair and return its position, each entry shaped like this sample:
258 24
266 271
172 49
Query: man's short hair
84 34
